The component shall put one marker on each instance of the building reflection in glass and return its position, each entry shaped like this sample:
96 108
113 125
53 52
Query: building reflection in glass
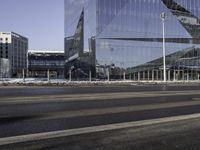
124 38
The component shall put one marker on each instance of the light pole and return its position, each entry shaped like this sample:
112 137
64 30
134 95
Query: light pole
163 17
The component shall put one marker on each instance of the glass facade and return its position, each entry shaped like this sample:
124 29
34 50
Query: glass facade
120 39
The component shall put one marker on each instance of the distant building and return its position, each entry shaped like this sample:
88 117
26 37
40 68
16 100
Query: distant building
13 47
40 61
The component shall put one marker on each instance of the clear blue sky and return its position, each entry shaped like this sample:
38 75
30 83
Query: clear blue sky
42 21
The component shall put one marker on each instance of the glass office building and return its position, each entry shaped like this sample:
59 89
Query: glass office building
120 39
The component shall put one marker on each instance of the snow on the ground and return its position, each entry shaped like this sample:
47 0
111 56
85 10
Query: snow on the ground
41 81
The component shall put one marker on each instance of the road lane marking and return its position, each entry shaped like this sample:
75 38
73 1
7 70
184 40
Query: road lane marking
103 110
87 130
110 110
90 97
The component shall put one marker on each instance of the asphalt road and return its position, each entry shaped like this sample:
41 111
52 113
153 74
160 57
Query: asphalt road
32 91
181 135
29 110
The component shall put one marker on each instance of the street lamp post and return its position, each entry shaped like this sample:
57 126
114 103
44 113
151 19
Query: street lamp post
163 17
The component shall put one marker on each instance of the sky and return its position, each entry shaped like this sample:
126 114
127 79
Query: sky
41 21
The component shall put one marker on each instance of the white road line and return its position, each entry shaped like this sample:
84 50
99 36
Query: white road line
110 110
87 130
196 99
